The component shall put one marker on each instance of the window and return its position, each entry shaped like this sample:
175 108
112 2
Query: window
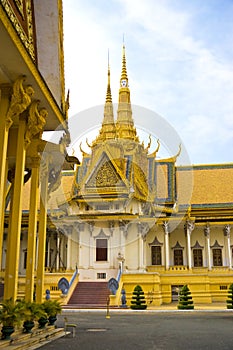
217 257
101 275
178 257
197 258
101 250
223 287
25 259
156 255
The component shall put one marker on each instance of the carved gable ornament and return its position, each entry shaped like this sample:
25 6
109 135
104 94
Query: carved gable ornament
104 175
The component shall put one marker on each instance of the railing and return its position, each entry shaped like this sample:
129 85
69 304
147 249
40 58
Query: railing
119 275
220 268
73 277
178 268
55 270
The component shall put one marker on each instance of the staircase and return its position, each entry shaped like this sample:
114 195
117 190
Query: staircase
89 295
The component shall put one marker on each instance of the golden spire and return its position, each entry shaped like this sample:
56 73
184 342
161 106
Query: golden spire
108 107
125 124
107 130
108 94
124 77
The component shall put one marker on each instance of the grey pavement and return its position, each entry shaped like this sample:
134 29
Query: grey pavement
150 330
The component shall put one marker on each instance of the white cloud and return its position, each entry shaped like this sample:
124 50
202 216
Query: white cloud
171 70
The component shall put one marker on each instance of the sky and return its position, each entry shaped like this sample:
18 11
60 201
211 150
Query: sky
179 61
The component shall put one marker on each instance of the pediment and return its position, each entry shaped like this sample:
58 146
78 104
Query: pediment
105 175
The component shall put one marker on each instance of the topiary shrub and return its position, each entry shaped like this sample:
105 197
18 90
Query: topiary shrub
185 299
230 297
138 301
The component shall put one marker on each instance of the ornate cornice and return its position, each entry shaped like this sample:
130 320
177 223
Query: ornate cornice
32 67
27 39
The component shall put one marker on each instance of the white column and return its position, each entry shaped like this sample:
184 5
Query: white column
110 253
91 244
68 254
207 235
141 252
227 231
77 235
123 236
166 242
189 249
58 251
110 247
91 252
143 229
189 227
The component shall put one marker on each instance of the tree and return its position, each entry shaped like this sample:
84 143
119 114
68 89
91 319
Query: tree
185 299
138 301
230 297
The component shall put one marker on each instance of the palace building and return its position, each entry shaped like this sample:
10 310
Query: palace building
131 217
124 216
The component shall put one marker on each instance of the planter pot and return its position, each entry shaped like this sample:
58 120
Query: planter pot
42 322
52 320
27 326
7 331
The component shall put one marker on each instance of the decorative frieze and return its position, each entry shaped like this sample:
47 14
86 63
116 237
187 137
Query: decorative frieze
227 230
36 122
20 99
207 231
24 28
166 227
124 225
189 226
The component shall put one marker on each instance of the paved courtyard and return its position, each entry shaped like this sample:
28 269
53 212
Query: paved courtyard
147 330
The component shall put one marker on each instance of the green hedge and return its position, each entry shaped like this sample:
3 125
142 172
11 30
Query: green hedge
138 301
185 299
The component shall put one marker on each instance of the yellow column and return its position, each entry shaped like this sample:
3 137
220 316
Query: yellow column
13 240
4 131
42 234
32 229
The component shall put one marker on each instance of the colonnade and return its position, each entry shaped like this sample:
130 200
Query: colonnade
188 229
21 126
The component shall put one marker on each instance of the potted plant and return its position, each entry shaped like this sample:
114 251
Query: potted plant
10 316
32 312
52 308
43 320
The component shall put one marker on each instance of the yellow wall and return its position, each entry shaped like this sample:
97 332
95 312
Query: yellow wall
205 286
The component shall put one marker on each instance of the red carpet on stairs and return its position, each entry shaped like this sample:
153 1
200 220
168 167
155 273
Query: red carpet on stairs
89 294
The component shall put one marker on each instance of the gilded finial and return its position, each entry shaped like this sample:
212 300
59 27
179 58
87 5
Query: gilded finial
88 144
67 103
83 152
177 154
124 77
108 94
149 144
153 155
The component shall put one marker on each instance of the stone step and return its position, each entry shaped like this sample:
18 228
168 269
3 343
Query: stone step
22 341
90 293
